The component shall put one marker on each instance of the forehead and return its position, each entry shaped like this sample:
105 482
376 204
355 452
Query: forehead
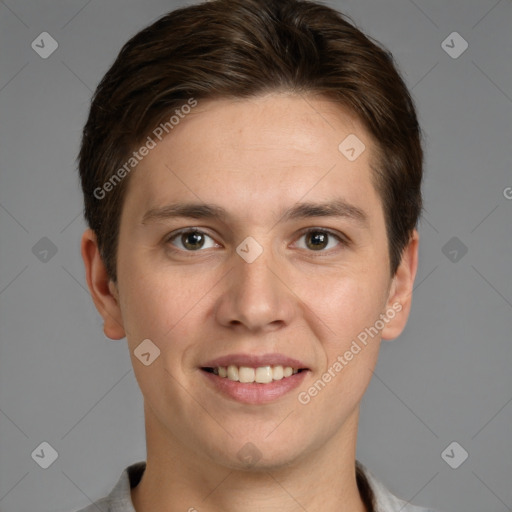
249 154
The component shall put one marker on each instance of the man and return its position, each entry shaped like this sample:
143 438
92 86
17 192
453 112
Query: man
252 181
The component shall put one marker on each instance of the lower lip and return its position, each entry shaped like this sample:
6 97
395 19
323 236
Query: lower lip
253 392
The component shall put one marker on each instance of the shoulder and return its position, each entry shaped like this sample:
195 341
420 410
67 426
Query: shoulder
386 501
119 499
102 505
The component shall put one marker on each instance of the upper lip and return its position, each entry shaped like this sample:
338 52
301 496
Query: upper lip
254 361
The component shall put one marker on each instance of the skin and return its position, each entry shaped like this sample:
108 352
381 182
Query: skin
255 158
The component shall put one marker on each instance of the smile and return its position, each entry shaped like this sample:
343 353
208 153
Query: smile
261 374
246 388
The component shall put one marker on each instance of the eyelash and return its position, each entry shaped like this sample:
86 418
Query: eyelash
344 241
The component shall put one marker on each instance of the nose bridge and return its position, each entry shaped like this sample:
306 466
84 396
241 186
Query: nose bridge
255 276
255 297
254 279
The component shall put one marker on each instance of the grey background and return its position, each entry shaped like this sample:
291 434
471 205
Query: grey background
447 378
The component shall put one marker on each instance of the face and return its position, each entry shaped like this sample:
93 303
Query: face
288 266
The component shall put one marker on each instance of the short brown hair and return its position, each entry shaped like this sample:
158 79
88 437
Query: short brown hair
240 49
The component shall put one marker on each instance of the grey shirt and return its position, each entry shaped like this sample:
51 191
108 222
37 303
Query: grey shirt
119 500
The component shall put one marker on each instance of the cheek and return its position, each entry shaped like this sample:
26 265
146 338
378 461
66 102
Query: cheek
349 309
153 307
348 303
163 309
166 305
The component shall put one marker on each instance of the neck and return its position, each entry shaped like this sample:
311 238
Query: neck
178 479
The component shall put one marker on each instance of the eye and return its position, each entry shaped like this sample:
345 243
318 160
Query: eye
317 240
191 239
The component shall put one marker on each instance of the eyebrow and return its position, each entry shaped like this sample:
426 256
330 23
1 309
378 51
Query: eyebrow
335 208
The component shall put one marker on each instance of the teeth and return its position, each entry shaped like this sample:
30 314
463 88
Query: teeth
232 372
246 374
277 372
262 374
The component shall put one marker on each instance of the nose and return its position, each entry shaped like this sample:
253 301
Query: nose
256 296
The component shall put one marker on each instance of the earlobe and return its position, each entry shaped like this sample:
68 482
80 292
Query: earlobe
398 305
104 292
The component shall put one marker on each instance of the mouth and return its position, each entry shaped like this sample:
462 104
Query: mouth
248 374
253 378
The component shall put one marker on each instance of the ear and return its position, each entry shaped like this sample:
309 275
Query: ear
103 290
399 300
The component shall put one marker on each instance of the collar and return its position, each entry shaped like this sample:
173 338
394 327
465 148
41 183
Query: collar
119 499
